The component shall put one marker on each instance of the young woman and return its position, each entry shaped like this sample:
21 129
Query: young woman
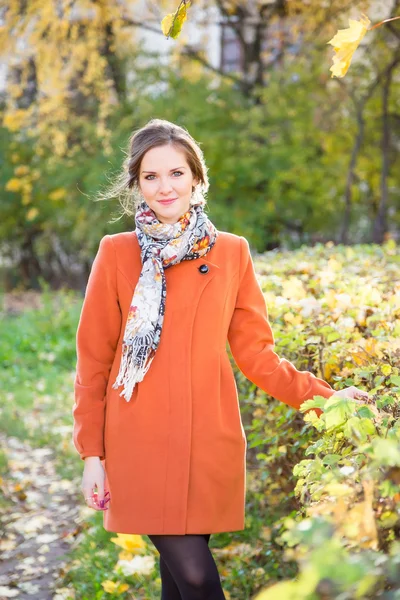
156 413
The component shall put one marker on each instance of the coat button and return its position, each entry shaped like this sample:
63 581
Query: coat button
203 269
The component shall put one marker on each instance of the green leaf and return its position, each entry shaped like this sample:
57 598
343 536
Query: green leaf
359 429
388 519
284 589
332 337
317 422
337 411
386 452
302 468
171 25
316 402
314 448
365 411
331 459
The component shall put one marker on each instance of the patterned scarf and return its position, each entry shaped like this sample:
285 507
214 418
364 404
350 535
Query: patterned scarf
162 245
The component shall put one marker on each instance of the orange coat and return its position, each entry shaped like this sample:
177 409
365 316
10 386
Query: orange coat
175 455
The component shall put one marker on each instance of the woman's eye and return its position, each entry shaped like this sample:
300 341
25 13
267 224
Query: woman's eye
147 176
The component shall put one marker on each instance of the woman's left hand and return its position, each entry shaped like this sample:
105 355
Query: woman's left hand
353 392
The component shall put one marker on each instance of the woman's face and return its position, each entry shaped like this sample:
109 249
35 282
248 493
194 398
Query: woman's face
165 175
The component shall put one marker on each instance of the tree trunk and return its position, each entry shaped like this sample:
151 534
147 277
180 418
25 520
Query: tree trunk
29 265
344 232
380 222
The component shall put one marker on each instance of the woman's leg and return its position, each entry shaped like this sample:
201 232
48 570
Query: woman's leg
169 589
191 567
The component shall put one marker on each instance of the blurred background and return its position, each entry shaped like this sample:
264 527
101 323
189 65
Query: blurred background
294 156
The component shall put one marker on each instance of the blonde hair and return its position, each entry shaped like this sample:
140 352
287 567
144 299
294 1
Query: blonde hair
157 132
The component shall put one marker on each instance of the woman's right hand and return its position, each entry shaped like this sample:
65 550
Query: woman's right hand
94 476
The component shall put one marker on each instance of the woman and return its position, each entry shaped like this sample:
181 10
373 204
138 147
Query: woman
156 413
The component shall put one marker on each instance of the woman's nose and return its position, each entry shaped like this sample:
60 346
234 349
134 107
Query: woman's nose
165 185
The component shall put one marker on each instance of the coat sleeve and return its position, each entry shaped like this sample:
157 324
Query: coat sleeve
96 341
251 341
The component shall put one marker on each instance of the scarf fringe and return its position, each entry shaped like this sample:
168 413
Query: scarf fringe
129 373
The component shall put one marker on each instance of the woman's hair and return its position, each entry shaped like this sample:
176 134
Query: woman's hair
157 132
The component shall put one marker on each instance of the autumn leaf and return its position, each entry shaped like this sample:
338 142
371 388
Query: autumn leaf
58 194
345 43
13 185
112 587
130 542
171 25
284 589
32 214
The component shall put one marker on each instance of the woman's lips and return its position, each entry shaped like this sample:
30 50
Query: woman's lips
166 202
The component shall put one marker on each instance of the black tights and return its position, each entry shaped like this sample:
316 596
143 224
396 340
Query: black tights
188 570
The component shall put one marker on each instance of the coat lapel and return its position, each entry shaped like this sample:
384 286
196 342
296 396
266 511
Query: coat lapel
186 283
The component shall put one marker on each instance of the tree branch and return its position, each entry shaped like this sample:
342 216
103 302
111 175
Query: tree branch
195 55
233 24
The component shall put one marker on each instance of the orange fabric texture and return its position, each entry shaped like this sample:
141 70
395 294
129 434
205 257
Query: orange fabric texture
175 455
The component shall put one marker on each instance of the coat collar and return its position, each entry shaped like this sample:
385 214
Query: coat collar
185 281
208 258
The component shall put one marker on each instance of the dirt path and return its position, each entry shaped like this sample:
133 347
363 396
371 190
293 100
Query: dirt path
41 518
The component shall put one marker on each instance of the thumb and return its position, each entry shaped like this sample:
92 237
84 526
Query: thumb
360 394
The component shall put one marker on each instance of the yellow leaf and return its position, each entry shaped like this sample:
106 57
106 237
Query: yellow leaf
166 23
368 348
334 264
32 214
125 555
171 25
15 120
286 587
109 586
331 368
293 289
371 346
13 185
386 369
338 489
21 170
128 541
345 43
389 245
57 194
288 317
359 522
114 588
